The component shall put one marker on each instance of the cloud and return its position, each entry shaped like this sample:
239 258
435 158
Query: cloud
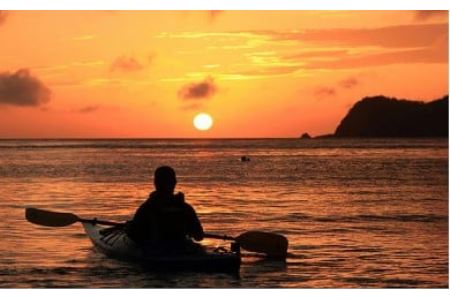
317 54
421 55
349 82
425 15
3 15
271 71
22 89
330 91
322 92
86 37
126 64
198 90
403 36
88 109
344 48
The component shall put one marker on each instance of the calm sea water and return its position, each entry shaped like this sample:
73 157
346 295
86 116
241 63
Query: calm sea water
357 213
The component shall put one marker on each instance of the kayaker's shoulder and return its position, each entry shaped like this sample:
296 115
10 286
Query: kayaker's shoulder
189 208
179 197
153 195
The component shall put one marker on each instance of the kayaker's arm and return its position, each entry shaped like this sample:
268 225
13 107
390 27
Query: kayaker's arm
195 229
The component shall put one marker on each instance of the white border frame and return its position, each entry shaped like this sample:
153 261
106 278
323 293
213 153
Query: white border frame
224 4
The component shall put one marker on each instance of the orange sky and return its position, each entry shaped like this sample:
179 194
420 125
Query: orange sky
138 74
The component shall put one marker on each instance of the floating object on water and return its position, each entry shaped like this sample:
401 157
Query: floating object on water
245 158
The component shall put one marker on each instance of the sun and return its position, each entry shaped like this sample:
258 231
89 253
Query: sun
203 121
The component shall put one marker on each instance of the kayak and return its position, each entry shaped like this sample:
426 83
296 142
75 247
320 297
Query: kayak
117 244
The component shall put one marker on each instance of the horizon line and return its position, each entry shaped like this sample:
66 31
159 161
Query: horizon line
149 138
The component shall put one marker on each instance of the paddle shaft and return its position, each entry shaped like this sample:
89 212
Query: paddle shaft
101 222
220 237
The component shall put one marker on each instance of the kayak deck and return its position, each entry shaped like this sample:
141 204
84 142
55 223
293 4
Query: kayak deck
116 244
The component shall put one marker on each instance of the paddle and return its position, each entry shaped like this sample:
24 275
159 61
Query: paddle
272 244
58 219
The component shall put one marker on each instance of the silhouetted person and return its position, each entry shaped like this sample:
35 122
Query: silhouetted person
165 219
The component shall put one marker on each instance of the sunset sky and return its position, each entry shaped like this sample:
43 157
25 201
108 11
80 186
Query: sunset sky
146 74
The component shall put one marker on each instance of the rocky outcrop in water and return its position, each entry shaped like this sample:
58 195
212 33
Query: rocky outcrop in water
305 136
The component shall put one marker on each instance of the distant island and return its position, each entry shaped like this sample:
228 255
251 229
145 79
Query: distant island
381 116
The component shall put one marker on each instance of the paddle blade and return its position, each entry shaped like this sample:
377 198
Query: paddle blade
49 218
272 244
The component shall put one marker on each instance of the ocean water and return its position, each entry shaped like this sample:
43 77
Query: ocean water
357 213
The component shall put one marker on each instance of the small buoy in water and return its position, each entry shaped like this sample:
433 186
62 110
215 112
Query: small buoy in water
245 158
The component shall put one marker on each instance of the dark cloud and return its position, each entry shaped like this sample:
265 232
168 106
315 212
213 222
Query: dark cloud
88 109
22 89
198 90
346 83
349 82
425 15
3 15
126 64
416 35
325 92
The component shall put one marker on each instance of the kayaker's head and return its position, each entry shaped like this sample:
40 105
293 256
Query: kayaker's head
165 179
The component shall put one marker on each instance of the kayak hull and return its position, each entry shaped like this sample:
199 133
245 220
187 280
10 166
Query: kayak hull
118 245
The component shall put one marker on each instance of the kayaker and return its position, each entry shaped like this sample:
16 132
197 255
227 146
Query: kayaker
165 218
